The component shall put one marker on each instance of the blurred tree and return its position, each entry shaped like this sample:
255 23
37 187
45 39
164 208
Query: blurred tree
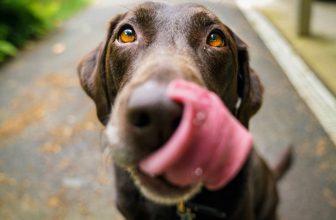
22 20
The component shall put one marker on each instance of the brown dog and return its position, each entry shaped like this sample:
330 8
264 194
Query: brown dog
127 76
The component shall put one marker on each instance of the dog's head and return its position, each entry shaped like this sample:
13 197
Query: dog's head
144 50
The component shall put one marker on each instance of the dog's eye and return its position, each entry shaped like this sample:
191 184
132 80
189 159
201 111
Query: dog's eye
215 40
127 35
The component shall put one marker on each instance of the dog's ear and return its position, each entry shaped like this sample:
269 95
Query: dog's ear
92 71
250 89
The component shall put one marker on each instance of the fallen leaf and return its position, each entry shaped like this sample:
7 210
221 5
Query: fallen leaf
14 125
90 126
54 202
321 148
63 164
51 148
6 180
58 48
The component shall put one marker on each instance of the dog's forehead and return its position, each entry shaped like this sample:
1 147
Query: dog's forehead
179 15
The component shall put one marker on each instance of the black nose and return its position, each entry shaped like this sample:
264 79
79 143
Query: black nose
151 116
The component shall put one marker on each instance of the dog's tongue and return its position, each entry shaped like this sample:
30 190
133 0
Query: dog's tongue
209 146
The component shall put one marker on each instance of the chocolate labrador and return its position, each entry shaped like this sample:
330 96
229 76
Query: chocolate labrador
127 77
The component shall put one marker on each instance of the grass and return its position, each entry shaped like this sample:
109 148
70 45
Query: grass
65 9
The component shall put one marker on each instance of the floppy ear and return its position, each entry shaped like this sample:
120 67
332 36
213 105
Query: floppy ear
92 71
250 89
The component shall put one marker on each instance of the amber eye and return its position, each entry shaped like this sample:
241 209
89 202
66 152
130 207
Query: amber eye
127 35
215 40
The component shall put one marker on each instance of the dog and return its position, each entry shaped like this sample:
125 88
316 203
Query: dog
127 75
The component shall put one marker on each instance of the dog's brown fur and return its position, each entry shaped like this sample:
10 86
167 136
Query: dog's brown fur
171 44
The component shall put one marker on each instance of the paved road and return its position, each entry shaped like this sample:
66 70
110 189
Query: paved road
50 159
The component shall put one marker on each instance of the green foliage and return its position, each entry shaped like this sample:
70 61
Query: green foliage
6 49
22 20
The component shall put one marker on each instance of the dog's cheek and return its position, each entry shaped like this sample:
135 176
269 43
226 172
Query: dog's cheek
120 63
219 74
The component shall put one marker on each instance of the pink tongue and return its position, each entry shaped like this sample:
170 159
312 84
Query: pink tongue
209 146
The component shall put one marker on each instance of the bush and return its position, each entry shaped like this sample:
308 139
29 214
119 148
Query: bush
22 20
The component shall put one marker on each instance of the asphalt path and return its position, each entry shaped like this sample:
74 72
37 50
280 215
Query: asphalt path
51 163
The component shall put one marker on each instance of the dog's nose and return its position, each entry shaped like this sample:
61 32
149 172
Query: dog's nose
151 116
